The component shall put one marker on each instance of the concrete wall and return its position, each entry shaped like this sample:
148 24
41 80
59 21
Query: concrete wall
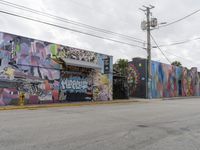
30 66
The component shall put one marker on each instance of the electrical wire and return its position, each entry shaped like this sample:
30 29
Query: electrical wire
172 54
180 57
181 42
173 22
70 29
160 49
83 25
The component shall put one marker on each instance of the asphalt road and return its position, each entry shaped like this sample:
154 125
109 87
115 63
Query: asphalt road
164 125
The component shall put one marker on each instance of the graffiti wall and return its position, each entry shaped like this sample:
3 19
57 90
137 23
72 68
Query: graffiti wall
30 66
167 80
172 81
102 87
137 78
78 54
76 86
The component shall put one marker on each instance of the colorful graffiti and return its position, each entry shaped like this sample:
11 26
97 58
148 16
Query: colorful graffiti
78 54
168 80
75 84
102 87
172 81
164 80
133 78
30 66
137 78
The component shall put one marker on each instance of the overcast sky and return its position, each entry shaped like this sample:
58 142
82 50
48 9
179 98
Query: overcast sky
121 16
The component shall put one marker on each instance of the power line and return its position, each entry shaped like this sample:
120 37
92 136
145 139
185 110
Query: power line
83 25
178 56
181 42
160 49
173 22
70 29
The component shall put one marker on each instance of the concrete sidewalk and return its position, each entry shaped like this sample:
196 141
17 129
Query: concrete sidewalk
75 104
182 97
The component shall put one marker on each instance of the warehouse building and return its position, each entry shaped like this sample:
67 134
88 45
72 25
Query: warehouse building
46 72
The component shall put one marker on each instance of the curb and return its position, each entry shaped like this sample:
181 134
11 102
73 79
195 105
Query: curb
179 98
43 106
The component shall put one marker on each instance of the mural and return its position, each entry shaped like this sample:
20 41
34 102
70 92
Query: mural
133 79
76 86
102 87
137 78
193 82
164 80
31 66
172 81
78 54
167 80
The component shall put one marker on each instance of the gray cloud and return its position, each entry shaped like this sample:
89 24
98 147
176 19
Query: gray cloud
122 16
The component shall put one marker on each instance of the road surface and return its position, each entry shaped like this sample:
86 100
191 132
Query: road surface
158 125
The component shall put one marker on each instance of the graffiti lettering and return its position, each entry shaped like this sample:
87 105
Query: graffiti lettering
76 85
78 54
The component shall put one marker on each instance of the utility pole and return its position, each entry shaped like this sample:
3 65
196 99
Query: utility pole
147 25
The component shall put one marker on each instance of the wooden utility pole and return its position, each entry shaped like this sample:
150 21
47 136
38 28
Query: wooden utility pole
147 26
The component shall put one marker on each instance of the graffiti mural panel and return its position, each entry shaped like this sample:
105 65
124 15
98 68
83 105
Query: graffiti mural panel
76 86
167 80
164 80
137 78
102 87
78 54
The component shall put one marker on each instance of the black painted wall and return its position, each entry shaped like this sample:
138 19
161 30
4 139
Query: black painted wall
137 78
120 87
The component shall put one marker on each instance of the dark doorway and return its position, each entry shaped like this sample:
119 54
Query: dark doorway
179 88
